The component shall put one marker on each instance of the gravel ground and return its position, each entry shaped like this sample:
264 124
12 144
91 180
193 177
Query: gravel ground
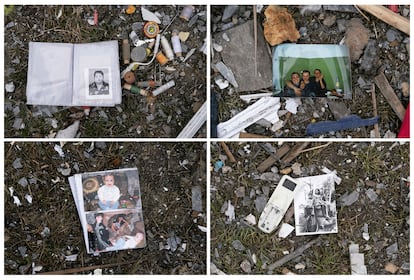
387 52
135 117
373 208
47 230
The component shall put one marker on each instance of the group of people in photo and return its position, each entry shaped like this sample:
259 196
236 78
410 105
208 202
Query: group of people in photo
307 85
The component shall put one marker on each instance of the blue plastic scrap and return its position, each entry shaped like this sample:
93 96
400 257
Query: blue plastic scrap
218 165
348 122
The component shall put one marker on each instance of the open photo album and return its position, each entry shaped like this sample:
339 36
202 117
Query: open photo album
110 209
63 74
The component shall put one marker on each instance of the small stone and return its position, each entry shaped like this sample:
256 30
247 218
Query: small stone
371 194
22 250
286 171
240 192
238 245
10 87
300 266
392 249
23 182
229 11
183 36
405 88
296 168
260 203
217 47
329 20
225 37
250 219
350 199
391 268
227 169
246 266
17 163
270 176
285 230
391 35
341 23
18 123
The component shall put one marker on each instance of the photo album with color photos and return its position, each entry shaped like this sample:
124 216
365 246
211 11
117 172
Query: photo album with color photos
110 209
63 74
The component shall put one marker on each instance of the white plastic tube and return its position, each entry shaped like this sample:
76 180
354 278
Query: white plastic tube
163 88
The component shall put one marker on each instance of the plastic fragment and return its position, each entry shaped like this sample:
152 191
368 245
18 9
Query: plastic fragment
29 198
59 150
226 73
348 122
16 200
149 16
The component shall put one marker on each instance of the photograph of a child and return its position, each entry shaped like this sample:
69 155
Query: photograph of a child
301 70
116 230
315 205
99 83
111 190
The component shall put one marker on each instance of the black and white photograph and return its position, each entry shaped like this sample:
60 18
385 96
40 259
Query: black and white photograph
315 205
99 82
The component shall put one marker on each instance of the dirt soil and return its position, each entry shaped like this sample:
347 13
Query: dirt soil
374 175
47 230
172 109
388 53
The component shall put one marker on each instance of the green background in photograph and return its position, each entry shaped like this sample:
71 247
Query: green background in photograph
332 68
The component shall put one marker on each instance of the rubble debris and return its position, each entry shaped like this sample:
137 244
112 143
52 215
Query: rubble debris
230 212
232 53
391 268
349 122
229 11
365 233
279 26
357 260
246 266
9 87
195 123
371 194
356 38
196 199
339 109
265 107
226 73
388 16
348 200
250 219
215 271
299 251
392 249
389 94
70 131
149 16
281 151
238 245
285 230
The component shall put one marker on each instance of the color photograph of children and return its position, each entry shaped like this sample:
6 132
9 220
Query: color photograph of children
110 191
111 231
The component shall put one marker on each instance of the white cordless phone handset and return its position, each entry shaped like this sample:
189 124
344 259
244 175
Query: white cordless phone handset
278 204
